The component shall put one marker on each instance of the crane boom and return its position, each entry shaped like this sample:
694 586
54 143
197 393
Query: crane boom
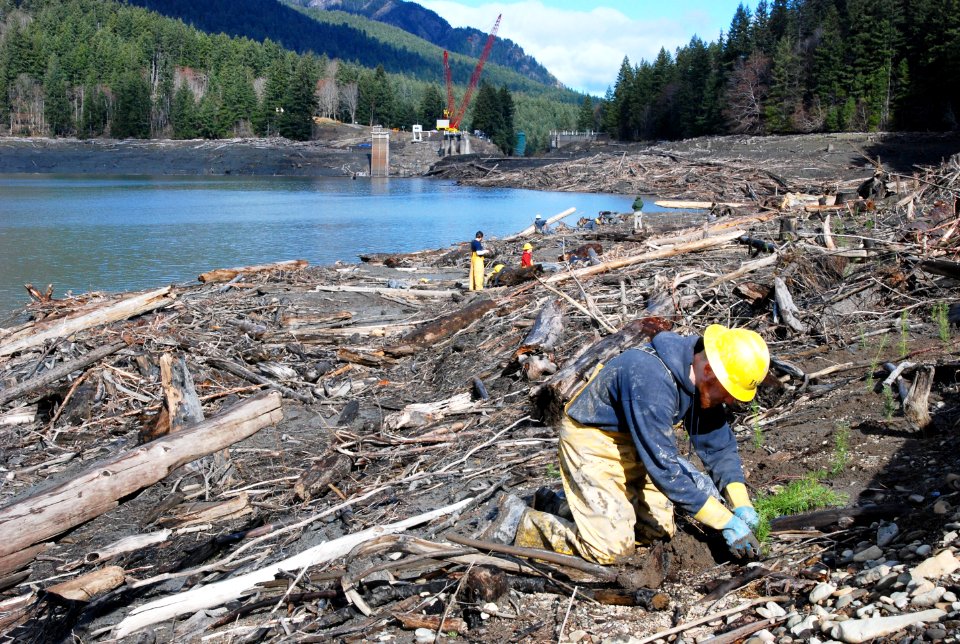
456 114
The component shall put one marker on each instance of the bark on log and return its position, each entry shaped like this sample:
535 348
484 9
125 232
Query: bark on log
402 292
420 414
218 593
132 306
208 512
444 327
411 621
14 562
365 359
227 274
242 372
786 307
60 371
827 518
86 587
680 249
546 331
127 544
99 488
514 276
183 403
916 407
317 479
552 395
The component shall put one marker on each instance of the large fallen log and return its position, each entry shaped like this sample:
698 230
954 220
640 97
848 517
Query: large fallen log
382 290
221 592
227 274
529 230
546 331
445 326
552 395
99 488
242 372
128 308
661 253
60 371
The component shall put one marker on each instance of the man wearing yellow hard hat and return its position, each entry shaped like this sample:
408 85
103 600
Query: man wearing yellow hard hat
621 467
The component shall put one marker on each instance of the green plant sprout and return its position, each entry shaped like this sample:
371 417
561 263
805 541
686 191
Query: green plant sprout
799 496
758 436
889 404
874 363
940 318
552 472
904 333
841 448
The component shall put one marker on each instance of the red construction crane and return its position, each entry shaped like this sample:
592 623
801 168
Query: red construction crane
454 113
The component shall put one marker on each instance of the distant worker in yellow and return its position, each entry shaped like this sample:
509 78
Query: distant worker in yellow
623 473
477 253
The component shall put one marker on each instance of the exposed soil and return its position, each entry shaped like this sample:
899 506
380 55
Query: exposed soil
499 444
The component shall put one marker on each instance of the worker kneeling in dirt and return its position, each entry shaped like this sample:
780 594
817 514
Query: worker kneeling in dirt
621 467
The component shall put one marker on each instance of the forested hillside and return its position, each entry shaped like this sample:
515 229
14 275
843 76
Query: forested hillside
103 68
800 66
426 24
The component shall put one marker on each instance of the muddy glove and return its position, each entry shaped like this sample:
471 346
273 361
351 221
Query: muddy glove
740 540
748 515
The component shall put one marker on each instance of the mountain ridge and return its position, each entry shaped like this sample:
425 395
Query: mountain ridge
430 26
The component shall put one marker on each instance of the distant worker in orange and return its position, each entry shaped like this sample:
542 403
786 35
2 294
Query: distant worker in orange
477 253
526 259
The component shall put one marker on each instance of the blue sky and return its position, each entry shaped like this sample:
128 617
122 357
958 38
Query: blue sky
583 43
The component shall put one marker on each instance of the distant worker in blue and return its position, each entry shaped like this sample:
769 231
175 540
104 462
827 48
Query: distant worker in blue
622 469
477 253
540 225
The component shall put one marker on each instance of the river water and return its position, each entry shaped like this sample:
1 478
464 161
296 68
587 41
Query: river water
108 233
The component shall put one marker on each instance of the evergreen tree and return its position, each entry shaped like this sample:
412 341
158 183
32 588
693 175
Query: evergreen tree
739 42
238 102
56 104
131 115
760 28
786 91
299 103
586 118
184 114
431 107
506 138
487 116
266 121
94 114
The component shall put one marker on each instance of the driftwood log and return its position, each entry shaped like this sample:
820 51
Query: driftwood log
37 334
227 274
218 593
60 371
99 488
447 325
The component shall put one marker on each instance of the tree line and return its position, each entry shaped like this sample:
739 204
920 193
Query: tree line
92 68
794 66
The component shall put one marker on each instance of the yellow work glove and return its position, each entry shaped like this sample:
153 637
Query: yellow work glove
736 494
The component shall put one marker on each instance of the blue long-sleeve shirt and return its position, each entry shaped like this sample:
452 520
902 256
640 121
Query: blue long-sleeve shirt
646 395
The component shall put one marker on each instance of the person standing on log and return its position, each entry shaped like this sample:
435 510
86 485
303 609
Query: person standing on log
526 258
477 253
621 467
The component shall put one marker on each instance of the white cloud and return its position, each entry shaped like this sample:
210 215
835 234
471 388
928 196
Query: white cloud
582 48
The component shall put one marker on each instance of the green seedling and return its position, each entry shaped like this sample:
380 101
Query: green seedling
799 496
904 333
552 472
758 436
889 404
841 449
942 321
874 363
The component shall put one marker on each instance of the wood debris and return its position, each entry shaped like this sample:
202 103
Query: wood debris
315 452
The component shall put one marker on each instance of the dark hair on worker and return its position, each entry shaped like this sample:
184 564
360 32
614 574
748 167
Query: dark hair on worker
698 347
479 233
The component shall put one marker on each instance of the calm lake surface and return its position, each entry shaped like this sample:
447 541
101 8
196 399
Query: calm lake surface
84 233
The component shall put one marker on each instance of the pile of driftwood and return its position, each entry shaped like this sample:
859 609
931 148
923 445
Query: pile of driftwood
284 449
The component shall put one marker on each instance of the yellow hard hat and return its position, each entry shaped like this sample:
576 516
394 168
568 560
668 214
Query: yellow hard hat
528 246
739 358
